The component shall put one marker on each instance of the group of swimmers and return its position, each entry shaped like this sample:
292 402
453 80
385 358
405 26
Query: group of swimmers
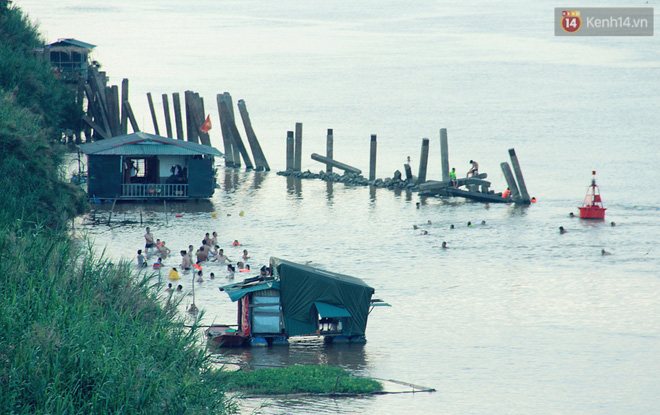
209 251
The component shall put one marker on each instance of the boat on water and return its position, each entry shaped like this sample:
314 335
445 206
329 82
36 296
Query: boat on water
592 207
297 300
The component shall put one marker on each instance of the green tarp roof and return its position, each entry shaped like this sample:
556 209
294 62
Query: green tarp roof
238 290
302 287
331 311
144 144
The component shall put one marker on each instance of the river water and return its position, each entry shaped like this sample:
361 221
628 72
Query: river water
512 318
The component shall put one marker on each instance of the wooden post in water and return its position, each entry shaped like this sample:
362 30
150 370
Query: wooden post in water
423 161
168 120
124 98
189 96
131 117
227 99
113 110
289 150
372 159
258 154
228 119
226 135
524 196
199 118
176 102
408 170
444 154
153 113
297 162
510 181
329 151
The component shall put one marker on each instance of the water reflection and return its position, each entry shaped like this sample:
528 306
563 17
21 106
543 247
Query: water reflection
329 190
258 179
294 186
309 351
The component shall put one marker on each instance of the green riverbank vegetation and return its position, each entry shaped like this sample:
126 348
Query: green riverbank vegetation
301 379
78 334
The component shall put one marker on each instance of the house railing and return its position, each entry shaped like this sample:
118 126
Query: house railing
154 190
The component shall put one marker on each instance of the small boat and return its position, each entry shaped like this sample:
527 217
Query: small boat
592 207
225 336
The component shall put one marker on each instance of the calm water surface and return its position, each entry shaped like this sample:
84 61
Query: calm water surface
513 317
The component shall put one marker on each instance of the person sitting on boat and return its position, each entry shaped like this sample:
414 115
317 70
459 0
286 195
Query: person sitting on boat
452 177
507 193
474 170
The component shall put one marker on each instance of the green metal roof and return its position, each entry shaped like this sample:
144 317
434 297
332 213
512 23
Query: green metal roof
238 290
331 311
144 144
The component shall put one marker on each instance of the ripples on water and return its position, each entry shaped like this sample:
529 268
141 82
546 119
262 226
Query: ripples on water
512 306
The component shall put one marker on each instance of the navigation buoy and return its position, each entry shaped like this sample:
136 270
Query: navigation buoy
592 207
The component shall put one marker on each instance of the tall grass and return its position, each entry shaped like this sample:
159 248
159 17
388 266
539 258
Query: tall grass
80 335
301 379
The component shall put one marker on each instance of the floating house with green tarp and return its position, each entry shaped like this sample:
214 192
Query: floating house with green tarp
297 300
141 166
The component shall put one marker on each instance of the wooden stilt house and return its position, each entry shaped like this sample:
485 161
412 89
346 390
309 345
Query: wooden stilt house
142 166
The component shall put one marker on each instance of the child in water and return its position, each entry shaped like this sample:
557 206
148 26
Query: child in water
230 271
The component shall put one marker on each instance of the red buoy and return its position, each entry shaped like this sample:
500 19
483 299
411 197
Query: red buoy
592 207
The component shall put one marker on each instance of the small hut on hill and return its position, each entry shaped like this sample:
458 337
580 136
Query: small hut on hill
69 58
145 166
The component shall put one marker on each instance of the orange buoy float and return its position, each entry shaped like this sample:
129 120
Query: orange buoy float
592 207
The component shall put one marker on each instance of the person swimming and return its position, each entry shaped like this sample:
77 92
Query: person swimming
444 245
604 252
562 230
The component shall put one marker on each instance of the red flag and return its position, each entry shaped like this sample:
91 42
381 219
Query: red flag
207 125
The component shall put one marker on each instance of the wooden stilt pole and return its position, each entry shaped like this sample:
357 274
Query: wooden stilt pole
510 181
423 161
176 102
297 153
168 119
372 159
124 98
258 154
329 150
524 196
131 117
444 154
226 134
289 150
228 119
153 113
227 99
